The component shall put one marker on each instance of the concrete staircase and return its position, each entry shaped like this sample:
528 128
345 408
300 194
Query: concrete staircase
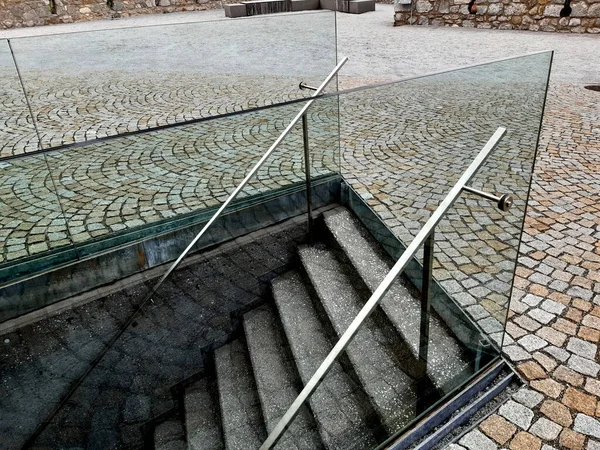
375 389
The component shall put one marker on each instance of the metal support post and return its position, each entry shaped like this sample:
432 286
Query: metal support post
307 173
428 248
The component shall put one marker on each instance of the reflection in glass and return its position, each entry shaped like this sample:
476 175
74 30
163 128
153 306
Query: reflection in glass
220 351
17 131
89 85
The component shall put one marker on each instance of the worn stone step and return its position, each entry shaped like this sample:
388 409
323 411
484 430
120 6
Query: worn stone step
276 379
169 435
448 361
344 415
241 417
203 427
371 352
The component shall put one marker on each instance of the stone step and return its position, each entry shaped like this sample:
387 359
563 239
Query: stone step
276 379
169 435
241 416
372 352
448 361
344 415
202 422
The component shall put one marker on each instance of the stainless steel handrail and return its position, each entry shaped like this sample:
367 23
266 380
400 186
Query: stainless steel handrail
382 289
248 177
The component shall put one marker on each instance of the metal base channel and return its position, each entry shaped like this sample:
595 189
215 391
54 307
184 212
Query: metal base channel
441 414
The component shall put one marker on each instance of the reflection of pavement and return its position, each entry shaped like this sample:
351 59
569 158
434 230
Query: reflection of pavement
91 105
137 180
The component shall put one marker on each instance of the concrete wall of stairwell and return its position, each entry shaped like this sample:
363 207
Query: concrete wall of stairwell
29 13
532 15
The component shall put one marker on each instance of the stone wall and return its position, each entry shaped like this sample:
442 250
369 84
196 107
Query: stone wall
28 13
533 15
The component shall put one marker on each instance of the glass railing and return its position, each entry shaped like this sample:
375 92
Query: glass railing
75 203
407 148
220 350
115 167
415 139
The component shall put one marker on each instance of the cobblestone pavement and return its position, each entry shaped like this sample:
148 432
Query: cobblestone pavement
554 324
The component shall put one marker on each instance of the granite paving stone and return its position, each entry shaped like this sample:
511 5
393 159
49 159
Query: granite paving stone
516 413
545 429
528 397
582 348
475 440
583 365
525 441
587 425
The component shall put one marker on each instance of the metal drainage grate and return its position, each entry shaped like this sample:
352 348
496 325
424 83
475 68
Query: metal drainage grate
593 87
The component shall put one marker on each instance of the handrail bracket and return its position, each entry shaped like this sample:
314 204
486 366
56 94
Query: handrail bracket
303 86
503 202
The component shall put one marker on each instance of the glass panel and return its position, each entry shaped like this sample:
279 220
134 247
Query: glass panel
404 146
17 131
118 191
154 348
89 85
123 189
412 140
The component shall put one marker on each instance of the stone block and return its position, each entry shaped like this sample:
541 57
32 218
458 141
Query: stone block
580 401
498 428
334 5
583 366
361 6
423 6
587 425
525 441
557 412
235 10
553 10
305 5
582 348
528 397
476 440
594 10
515 9
546 429
571 439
